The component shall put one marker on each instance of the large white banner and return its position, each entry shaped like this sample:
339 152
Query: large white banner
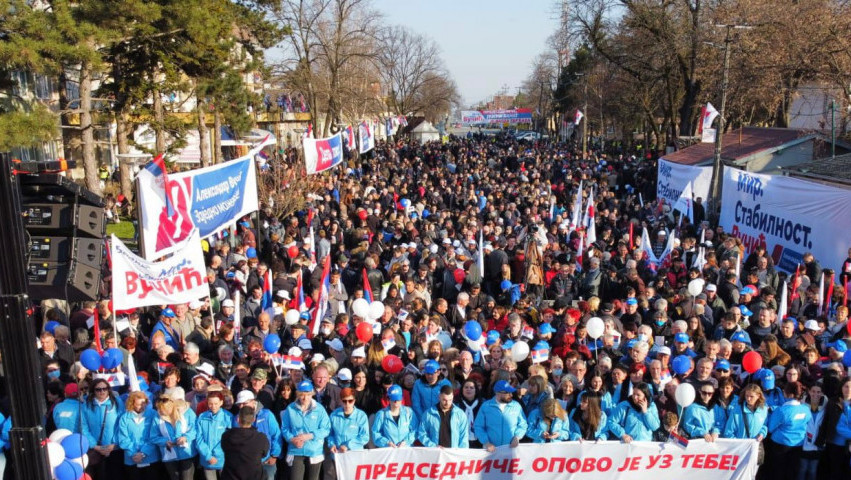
722 460
673 179
137 282
206 199
788 215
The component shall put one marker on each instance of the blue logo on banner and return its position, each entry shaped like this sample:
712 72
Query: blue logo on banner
217 196
789 260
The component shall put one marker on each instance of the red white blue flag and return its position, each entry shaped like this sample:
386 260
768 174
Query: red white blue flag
324 290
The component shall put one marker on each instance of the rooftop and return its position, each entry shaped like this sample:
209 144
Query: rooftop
739 144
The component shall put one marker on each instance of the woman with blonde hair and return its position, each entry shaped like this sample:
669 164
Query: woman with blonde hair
173 432
548 423
141 458
536 394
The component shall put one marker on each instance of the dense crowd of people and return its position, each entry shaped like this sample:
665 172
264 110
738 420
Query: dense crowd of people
482 290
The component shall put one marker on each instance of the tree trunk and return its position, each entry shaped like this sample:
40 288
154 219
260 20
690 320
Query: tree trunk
122 131
159 121
68 133
203 133
217 137
90 163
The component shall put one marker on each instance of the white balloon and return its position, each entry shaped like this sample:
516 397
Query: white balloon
595 327
474 345
59 434
291 317
684 395
360 308
55 454
519 351
376 310
84 460
695 287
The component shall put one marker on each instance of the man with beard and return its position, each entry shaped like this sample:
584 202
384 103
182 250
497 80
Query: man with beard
500 421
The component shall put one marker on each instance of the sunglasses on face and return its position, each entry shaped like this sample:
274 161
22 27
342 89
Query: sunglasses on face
102 389
348 400
707 393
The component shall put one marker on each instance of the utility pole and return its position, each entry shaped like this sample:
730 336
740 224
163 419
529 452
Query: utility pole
585 120
832 129
17 337
715 191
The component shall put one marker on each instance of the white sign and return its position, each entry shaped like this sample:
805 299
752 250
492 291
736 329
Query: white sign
673 178
788 215
722 460
137 282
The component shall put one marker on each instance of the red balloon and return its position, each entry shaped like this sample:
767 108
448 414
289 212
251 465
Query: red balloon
460 275
751 362
392 364
362 214
292 251
364 332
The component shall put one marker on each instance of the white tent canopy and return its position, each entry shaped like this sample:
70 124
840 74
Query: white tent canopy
425 132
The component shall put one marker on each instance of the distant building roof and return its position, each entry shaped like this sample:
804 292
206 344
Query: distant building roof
828 169
740 144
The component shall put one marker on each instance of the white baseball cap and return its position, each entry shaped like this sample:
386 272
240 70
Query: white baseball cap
811 325
244 396
345 375
359 353
228 303
317 358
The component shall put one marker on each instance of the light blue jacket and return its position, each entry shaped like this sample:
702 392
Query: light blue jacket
739 415
606 402
5 426
425 396
697 421
429 429
169 339
351 432
538 426
162 432
498 427
267 424
67 415
774 398
788 423
208 438
133 434
639 426
95 416
315 421
602 428
386 430
843 427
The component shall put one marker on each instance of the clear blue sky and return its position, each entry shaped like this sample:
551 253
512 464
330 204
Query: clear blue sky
486 44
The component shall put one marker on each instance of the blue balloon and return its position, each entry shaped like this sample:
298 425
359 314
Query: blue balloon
111 358
505 284
426 213
75 446
681 364
90 359
473 330
272 343
405 202
251 252
51 326
68 470
493 337
846 359
444 339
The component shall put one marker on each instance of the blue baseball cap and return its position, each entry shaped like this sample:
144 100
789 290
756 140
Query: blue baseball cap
168 312
305 386
431 366
508 344
304 315
546 329
503 386
741 336
493 337
839 345
767 380
394 393
722 364
681 338
746 312
632 301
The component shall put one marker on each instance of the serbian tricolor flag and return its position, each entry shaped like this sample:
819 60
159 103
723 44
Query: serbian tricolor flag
291 362
577 117
707 116
299 302
367 288
158 170
324 290
309 132
267 290
349 137
541 353
678 439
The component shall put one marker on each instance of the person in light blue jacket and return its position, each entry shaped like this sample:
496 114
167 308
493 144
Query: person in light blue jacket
349 425
500 421
589 421
210 427
548 423
140 455
67 413
431 423
173 431
747 418
305 426
265 423
787 429
596 384
699 418
395 425
426 392
636 418
99 421
5 426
